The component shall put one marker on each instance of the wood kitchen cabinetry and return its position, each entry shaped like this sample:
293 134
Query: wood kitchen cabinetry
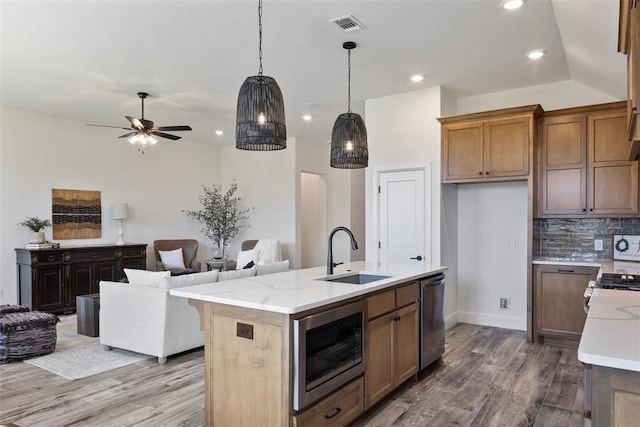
488 146
616 397
629 44
584 166
558 296
50 279
392 334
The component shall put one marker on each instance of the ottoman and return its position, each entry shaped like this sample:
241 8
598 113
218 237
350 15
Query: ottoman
27 334
12 308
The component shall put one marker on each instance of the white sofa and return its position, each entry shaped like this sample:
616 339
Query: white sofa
141 316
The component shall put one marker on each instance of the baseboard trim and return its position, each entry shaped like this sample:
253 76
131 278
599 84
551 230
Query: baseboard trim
498 321
450 321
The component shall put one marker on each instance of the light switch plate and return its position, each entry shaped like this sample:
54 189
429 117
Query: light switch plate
597 244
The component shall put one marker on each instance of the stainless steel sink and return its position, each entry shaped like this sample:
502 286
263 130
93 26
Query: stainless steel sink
355 279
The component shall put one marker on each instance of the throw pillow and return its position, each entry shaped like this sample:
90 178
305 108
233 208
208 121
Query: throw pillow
172 259
269 250
173 282
245 256
275 267
145 277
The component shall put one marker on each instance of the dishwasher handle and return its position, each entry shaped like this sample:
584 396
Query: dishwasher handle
434 280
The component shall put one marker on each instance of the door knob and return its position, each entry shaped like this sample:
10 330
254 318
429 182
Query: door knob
419 257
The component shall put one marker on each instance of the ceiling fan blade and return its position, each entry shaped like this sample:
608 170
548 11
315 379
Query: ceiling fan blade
105 126
140 123
165 135
173 128
126 135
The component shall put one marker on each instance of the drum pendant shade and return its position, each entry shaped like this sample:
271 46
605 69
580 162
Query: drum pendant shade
260 122
349 137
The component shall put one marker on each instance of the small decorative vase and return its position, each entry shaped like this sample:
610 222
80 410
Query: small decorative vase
38 237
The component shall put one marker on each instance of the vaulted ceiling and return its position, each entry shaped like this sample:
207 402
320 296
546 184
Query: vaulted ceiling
86 60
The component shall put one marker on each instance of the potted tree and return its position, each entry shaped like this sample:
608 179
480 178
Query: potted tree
36 225
222 215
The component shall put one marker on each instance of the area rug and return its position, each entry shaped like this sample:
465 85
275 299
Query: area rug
78 356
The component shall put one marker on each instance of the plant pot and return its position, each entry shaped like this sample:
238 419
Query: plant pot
38 237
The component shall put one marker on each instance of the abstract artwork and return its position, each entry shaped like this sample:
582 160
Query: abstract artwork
77 214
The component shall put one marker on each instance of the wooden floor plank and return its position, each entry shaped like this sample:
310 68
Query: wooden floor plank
487 377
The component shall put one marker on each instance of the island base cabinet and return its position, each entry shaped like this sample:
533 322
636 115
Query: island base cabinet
392 355
246 379
339 409
616 397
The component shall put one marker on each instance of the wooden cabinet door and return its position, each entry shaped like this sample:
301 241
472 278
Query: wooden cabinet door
506 147
80 282
564 159
379 375
103 271
559 294
462 151
48 292
613 180
405 342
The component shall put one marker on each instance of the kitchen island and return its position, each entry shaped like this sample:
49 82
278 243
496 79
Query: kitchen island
610 346
248 325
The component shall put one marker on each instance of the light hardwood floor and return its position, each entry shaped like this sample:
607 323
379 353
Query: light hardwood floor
488 376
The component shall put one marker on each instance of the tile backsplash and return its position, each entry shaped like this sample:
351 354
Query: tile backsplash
574 237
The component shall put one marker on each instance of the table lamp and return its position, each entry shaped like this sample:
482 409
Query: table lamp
120 211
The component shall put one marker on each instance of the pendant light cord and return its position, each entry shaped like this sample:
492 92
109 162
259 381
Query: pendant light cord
260 35
349 80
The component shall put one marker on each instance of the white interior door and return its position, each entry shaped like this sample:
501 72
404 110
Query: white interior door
402 216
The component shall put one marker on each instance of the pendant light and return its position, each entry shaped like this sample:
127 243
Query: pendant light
349 137
260 124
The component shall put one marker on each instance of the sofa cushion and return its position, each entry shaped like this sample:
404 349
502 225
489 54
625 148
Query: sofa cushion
244 257
145 277
172 259
236 274
275 267
173 282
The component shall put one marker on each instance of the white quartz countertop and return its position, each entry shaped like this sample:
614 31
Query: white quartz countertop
605 265
611 335
295 291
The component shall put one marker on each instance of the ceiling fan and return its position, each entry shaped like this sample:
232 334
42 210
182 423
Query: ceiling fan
143 131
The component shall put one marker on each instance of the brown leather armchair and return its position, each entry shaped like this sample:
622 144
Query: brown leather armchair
189 251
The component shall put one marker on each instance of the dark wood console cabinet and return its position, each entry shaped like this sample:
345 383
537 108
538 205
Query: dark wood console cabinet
50 279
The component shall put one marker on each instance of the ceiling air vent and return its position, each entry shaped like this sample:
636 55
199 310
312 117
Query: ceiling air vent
348 23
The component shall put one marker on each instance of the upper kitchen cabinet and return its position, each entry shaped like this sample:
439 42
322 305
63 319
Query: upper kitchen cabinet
584 171
629 44
488 146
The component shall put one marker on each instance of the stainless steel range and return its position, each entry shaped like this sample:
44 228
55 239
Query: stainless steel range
626 282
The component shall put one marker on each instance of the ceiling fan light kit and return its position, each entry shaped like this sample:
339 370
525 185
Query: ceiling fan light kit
349 137
260 119
143 131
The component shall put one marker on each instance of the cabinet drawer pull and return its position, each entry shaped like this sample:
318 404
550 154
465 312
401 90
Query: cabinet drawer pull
560 270
336 412
132 252
591 210
94 255
51 258
486 173
396 318
584 210
480 173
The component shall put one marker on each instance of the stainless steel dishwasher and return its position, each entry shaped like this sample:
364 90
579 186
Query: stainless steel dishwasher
431 319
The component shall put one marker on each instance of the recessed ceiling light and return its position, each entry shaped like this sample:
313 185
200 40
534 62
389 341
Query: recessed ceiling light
416 78
307 117
535 54
512 4
219 132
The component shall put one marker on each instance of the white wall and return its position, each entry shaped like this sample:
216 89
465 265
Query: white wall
267 181
40 152
313 217
492 253
403 132
551 96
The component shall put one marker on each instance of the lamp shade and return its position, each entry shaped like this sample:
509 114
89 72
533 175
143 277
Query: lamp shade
260 122
349 142
119 211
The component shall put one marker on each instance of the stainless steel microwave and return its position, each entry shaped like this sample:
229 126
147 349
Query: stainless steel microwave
328 351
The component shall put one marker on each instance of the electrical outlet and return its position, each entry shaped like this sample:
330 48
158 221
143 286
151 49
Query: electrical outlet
505 303
516 243
597 244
